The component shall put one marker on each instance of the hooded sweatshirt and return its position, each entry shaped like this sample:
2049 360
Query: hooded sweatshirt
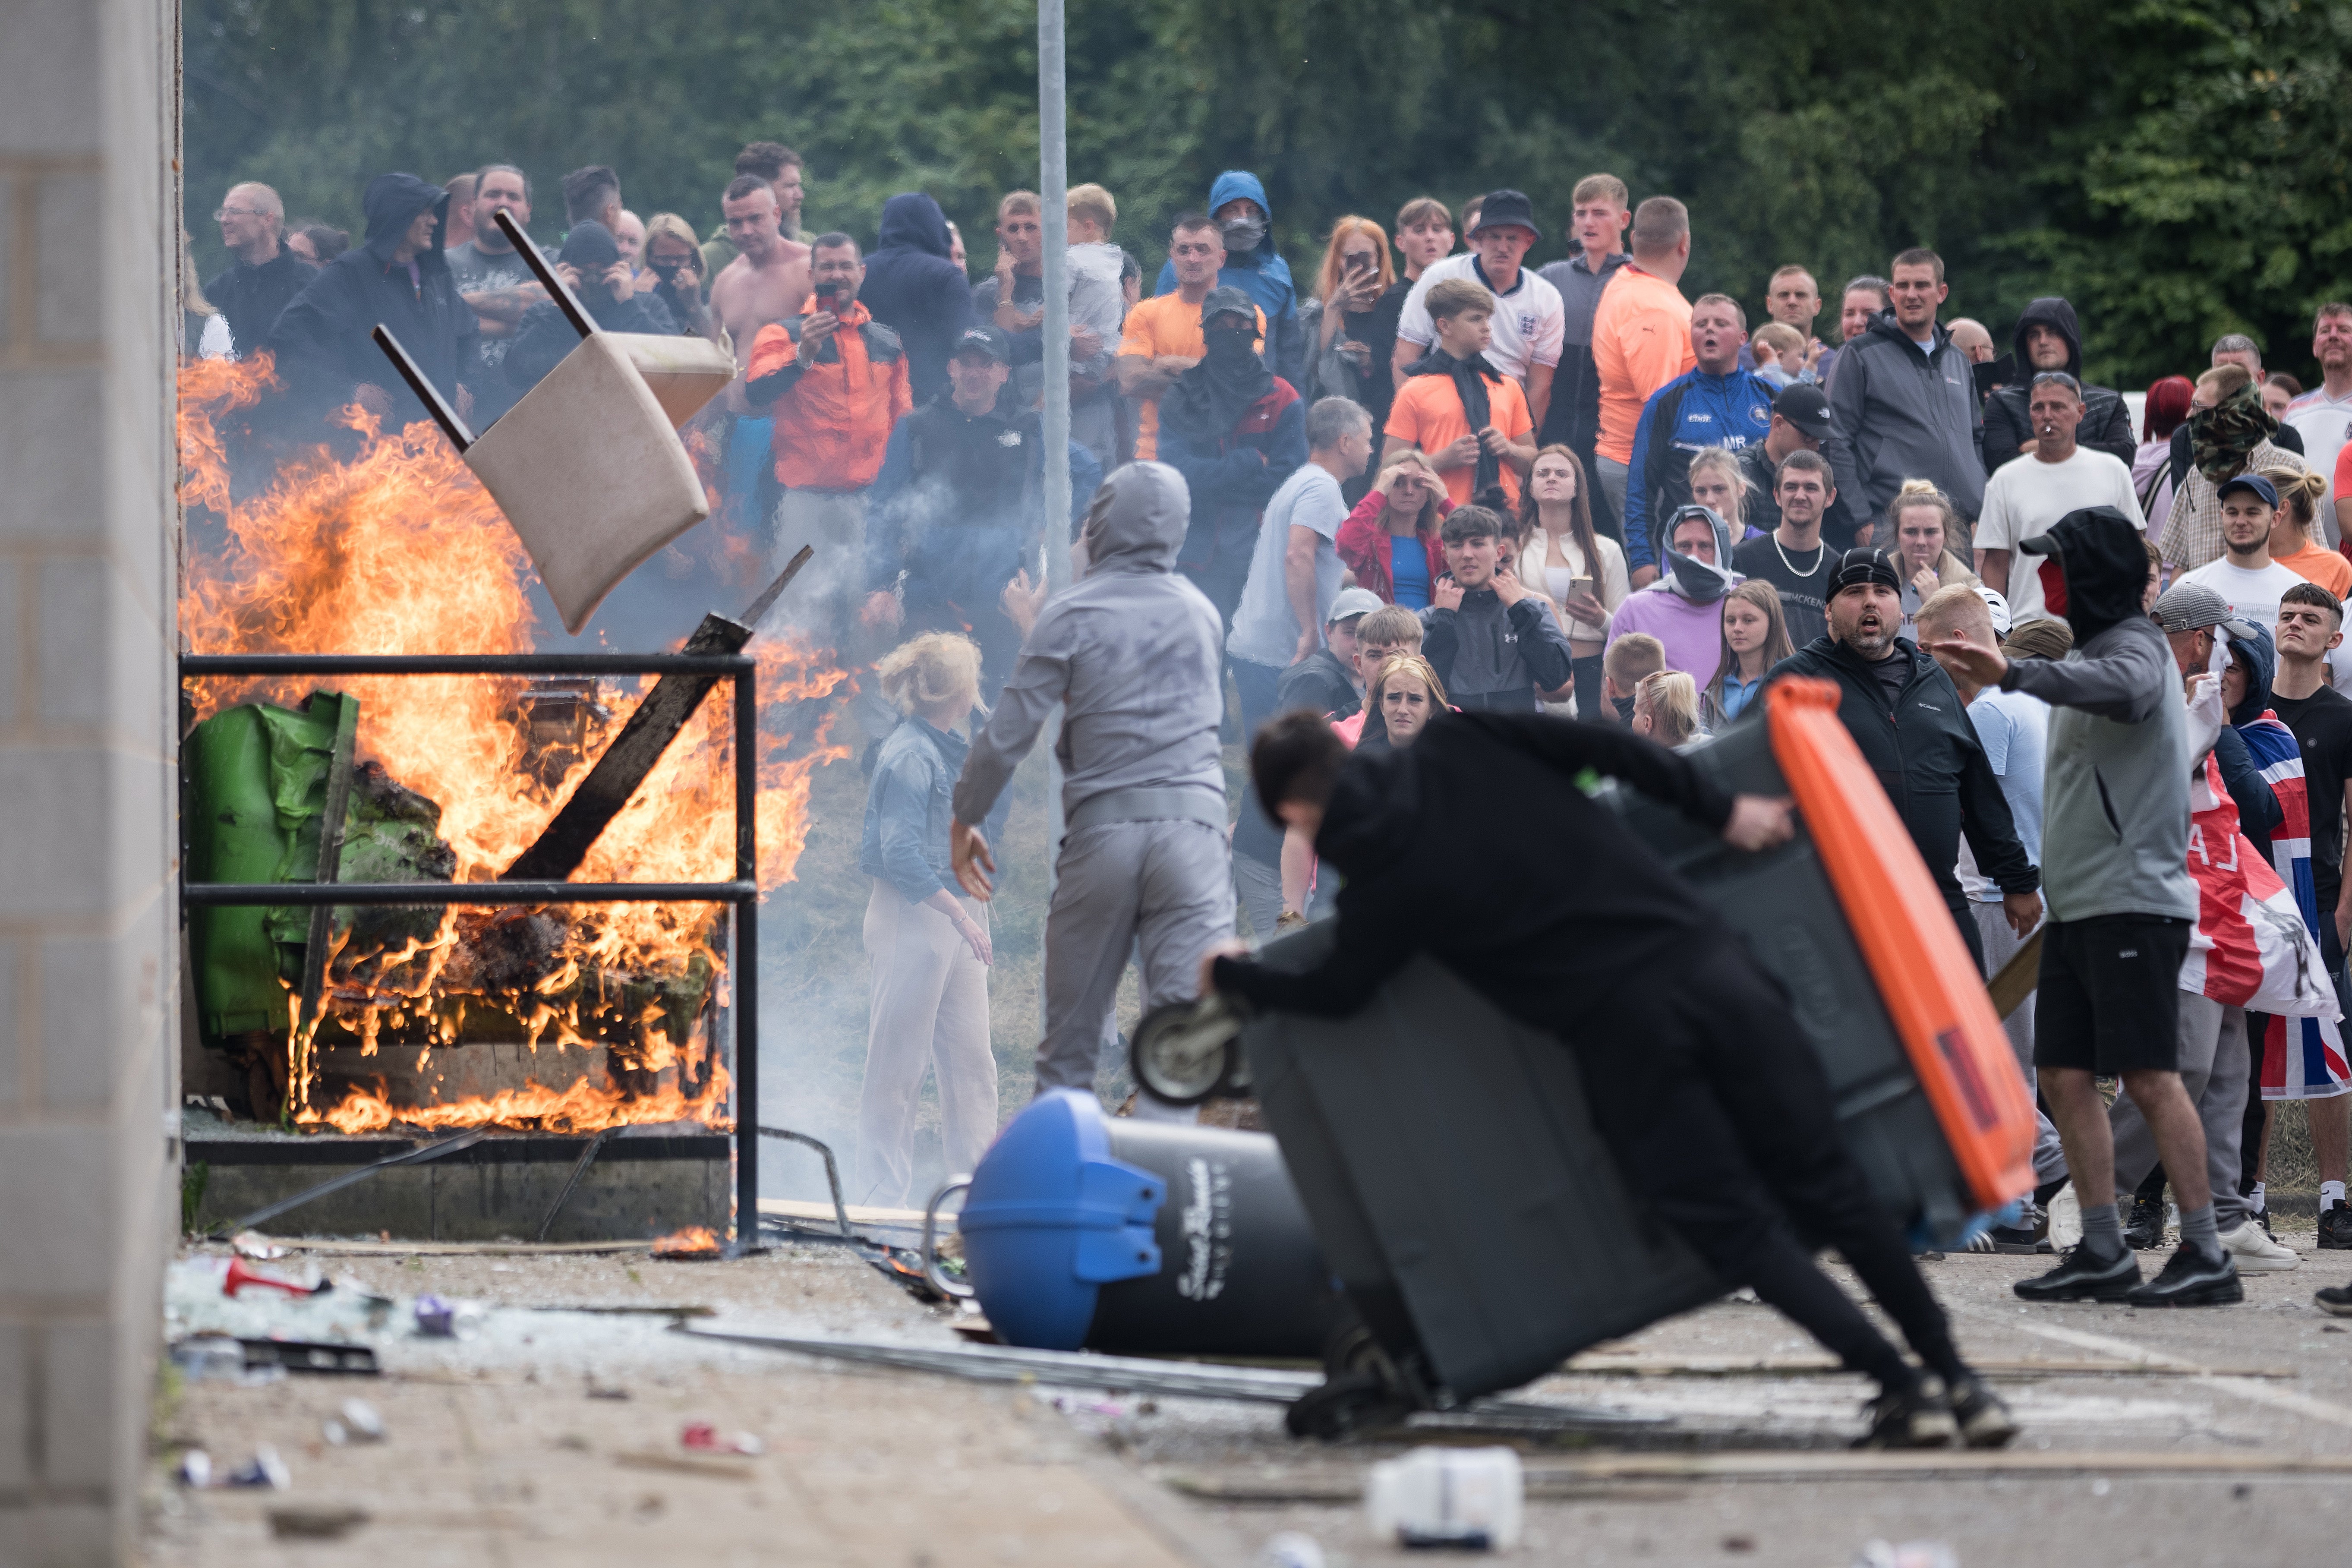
912 288
2115 821
1910 414
1684 608
1135 653
2106 423
323 340
1262 274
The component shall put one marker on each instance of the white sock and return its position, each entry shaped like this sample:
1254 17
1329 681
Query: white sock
2330 1194
2254 1198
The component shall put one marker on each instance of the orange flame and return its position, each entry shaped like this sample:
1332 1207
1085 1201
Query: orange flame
398 549
693 1240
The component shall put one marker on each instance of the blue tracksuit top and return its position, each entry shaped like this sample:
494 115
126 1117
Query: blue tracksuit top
1693 411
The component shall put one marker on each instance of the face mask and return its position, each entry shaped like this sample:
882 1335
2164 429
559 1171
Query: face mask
1696 581
1228 347
1244 234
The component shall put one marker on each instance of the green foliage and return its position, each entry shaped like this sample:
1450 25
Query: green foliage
2178 169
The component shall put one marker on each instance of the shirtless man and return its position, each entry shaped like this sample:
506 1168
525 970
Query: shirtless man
769 279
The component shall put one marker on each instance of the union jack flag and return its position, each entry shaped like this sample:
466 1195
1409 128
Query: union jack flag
2302 1056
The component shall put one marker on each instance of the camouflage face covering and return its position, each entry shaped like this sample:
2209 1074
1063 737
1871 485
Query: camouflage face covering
2221 437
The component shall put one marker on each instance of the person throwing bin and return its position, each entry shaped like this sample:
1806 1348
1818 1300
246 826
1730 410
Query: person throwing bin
1701 1081
1135 653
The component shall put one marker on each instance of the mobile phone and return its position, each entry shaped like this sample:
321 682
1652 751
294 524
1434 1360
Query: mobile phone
1358 262
826 293
1579 585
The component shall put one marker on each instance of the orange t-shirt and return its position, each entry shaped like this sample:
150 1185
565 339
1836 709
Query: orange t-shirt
1641 341
1163 324
2324 568
1428 413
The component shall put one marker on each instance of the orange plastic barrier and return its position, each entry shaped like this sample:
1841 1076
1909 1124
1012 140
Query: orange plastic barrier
1925 974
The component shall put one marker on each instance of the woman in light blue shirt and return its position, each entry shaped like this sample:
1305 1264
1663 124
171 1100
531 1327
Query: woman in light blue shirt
1755 638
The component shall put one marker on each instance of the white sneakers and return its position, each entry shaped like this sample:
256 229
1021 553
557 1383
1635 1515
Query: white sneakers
2255 1252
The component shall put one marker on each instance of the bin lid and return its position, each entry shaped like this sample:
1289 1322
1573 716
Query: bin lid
1051 1217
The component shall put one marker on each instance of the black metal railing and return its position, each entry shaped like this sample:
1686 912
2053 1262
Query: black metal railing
741 670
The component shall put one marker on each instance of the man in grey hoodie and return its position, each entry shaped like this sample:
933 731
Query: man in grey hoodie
2115 870
1135 653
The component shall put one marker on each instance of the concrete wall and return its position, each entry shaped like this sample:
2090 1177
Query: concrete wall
88 129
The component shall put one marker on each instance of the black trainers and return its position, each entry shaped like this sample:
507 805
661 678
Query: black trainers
2336 1300
2144 1229
1984 1421
2336 1229
2017 1239
2082 1275
1916 1417
2191 1279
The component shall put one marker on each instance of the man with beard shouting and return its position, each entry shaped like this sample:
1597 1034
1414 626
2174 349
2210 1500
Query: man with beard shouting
1905 714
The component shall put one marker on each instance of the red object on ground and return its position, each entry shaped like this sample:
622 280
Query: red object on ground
239 1275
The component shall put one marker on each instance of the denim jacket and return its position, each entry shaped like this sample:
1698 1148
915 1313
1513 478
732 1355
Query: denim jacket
909 809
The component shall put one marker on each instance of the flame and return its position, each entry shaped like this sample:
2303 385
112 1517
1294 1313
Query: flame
394 547
686 1243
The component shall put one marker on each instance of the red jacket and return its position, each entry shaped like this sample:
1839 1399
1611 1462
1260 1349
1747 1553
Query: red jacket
834 418
1363 545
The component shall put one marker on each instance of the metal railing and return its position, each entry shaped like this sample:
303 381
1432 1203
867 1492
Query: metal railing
739 670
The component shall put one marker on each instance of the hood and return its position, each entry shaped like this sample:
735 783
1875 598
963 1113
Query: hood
1694 579
1374 807
2253 643
2100 569
1137 520
1234 185
391 203
913 221
2058 317
589 249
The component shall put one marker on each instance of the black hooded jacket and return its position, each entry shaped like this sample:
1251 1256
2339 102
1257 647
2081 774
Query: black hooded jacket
911 287
545 334
1546 936
1928 758
2106 421
323 340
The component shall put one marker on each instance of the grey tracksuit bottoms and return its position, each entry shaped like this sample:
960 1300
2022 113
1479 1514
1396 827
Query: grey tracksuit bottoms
1162 890
2214 1065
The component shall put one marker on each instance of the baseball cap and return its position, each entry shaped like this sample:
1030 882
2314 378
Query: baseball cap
2262 487
1351 603
1807 407
1507 209
983 339
1997 607
2191 607
1225 300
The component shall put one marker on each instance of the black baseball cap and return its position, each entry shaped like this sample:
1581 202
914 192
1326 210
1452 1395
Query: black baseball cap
1507 209
1224 299
986 340
1806 406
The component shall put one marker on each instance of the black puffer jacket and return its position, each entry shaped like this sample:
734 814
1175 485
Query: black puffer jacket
1928 758
2106 421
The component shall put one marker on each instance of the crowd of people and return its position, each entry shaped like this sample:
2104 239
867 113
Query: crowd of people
1437 480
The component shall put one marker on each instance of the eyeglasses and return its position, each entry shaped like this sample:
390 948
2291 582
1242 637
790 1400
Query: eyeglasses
2057 378
238 212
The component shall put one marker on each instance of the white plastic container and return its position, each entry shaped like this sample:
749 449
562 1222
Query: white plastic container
1470 1497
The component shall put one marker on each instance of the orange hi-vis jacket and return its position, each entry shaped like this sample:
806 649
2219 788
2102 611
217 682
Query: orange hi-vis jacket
834 418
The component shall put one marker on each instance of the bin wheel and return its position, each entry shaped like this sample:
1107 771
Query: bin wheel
1343 1405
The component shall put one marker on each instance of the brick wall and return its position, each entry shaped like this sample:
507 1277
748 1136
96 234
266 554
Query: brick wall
89 975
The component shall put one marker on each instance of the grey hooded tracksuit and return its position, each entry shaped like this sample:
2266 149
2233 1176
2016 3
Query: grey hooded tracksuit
1135 653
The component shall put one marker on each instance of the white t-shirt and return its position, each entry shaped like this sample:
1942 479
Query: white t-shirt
1264 631
2255 596
2323 423
1530 322
2024 499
